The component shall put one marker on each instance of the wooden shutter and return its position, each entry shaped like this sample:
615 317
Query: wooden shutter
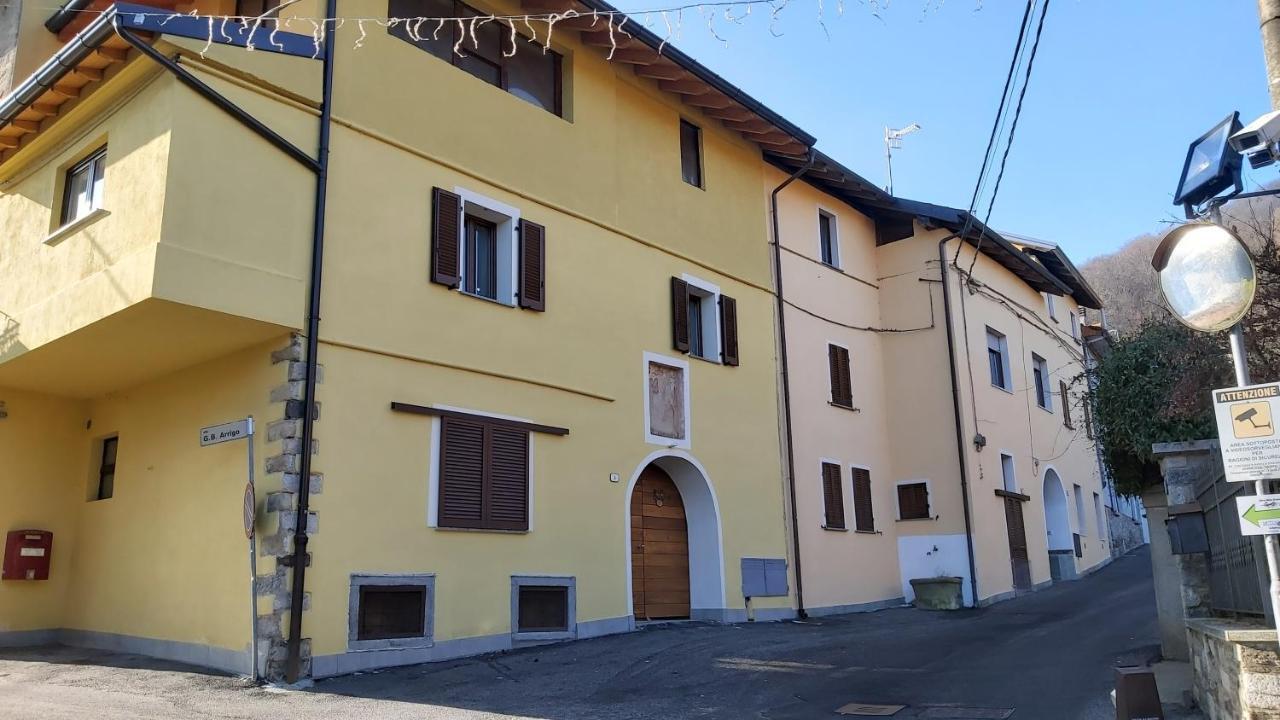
841 383
461 473
729 330
533 266
680 314
446 211
913 501
863 517
1066 403
508 487
832 496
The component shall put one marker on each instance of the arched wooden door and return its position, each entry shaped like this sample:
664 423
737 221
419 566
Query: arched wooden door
659 548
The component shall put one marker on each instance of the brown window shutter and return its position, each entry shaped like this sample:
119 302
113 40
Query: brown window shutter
680 314
841 383
533 266
729 330
1065 396
446 211
913 501
508 487
461 473
863 517
832 496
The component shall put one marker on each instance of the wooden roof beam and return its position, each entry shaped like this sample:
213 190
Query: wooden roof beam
26 126
688 86
90 74
600 37
710 100
635 56
663 70
113 54
733 112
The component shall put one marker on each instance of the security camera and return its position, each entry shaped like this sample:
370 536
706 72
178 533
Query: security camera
1258 136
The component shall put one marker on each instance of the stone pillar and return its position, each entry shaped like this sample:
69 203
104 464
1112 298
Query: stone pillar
1182 581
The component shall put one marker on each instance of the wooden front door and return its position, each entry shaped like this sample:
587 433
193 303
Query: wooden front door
659 548
1017 543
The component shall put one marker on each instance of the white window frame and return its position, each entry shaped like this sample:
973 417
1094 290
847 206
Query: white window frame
1002 341
1075 325
710 324
1044 398
95 188
1099 516
1005 480
687 441
1082 520
507 220
433 472
1051 307
846 498
835 237
897 506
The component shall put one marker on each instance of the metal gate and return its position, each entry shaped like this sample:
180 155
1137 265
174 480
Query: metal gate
1237 567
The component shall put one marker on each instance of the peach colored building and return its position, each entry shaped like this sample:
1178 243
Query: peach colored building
937 421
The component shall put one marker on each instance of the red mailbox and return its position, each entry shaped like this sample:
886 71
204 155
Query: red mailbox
26 555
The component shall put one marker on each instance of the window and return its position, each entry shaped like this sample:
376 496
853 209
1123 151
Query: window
1051 307
998 359
1080 517
532 73
1087 403
483 247
913 501
82 192
832 497
704 322
107 469
691 153
1040 371
1075 325
1064 394
841 376
483 474
1097 511
1007 472
828 242
543 607
392 611
480 248
864 519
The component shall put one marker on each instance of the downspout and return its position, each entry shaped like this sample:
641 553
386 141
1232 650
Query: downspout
786 382
300 556
961 455
65 14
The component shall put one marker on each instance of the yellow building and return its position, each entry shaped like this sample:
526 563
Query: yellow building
888 374
547 309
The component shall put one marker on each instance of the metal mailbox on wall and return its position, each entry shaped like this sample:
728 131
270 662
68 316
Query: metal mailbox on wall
26 555
1187 532
764 577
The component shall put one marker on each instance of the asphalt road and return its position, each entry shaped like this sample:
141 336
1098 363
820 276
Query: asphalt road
1046 656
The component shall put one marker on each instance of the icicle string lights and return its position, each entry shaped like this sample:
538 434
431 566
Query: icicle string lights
734 12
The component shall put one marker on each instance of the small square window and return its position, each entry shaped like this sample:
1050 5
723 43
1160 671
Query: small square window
391 612
107 469
691 153
913 501
83 188
828 242
543 608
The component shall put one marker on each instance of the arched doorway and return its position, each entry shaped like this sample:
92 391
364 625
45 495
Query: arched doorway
659 548
671 572
1057 526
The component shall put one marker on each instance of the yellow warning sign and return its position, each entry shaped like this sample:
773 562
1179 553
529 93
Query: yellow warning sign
1252 420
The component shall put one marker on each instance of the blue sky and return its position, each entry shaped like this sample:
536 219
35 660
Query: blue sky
1120 88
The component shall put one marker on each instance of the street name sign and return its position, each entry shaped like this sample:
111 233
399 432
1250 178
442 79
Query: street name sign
1259 514
1247 431
225 432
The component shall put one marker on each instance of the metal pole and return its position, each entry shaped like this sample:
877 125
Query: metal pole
253 572
888 157
1269 25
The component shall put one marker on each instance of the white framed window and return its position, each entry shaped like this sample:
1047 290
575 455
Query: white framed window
1097 511
704 319
1080 516
1007 472
1040 372
487 254
1051 307
828 239
666 401
1075 325
998 360
83 187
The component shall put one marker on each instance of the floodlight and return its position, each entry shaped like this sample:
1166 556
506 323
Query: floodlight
1212 165
1206 276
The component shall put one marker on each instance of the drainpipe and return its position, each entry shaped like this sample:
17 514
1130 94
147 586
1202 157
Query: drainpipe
300 557
955 406
786 382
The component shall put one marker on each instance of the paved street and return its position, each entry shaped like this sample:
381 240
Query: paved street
1047 656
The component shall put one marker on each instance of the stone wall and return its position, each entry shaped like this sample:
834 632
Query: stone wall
1236 668
1126 533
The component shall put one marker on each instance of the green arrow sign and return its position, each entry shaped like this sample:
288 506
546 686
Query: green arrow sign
1256 516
